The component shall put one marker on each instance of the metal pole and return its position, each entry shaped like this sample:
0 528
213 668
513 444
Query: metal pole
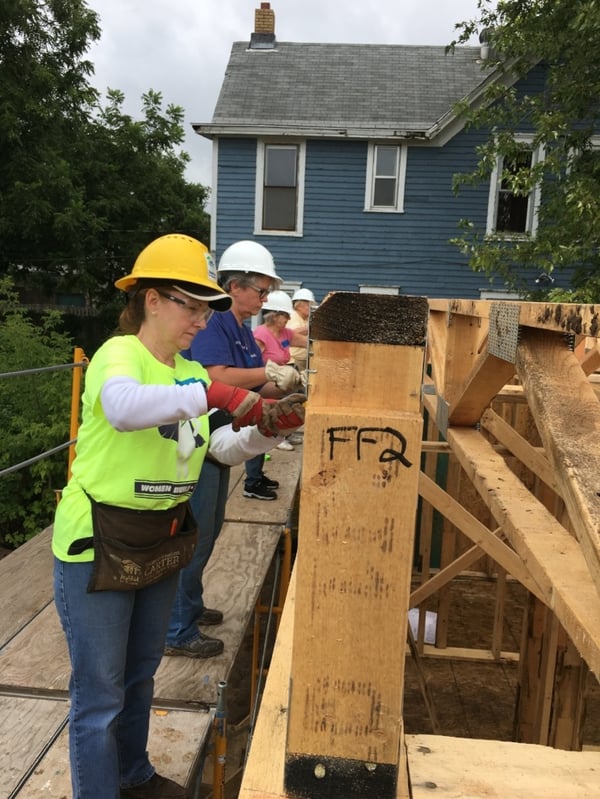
79 357
220 731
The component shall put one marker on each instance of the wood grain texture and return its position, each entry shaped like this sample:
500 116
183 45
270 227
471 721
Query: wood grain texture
27 725
467 768
567 414
25 583
174 742
371 319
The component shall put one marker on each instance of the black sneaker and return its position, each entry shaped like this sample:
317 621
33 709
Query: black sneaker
210 616
156 787
266 481
259 491
202 647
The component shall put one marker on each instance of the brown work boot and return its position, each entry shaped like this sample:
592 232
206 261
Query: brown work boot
201 647
156 787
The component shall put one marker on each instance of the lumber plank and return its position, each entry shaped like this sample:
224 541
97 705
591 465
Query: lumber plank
283 466
464 339
36 660
26 727
487 377
531 457
263 776
480 535
26 584
550 553
572 318
234 577
363 433
467 768
354 566
175 743
567 414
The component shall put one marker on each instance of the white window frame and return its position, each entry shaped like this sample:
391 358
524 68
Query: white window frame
533 200
260 176
400 176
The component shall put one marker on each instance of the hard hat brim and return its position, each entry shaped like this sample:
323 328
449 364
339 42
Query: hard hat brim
219 301
216 298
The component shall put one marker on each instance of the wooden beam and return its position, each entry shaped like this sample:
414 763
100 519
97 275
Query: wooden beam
463 340
567 414
467 768
448 573
571 318
487 378
547 549
263 773
362 450
549 552
534 459
481 535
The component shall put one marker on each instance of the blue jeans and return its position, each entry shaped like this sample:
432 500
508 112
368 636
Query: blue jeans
116 641
254 471
208 506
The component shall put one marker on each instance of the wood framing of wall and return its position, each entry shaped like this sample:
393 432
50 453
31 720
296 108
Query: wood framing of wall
509 401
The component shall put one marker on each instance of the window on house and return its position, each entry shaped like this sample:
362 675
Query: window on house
279 184
511 212
386 171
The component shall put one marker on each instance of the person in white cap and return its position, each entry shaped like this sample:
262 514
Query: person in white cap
275 337
302 302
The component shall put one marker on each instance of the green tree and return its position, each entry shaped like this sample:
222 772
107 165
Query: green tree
564 37
34 416
83 186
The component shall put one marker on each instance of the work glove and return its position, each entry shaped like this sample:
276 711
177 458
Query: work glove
245 407
286 378
280 416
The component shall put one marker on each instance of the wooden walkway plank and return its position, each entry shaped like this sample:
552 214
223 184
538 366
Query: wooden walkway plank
25 584
174 744
27 725
233 579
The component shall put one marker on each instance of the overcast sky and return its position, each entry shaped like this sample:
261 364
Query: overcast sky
181 47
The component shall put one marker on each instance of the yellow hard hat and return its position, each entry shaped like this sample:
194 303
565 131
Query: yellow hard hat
185 263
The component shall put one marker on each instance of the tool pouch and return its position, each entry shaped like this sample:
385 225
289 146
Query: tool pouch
136 548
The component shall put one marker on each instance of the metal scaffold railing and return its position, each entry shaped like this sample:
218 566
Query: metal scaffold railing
80 361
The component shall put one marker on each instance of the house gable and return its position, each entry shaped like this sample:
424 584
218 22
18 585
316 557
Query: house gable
339 103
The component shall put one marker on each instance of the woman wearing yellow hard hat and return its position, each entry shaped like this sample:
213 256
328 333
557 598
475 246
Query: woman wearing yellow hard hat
122 529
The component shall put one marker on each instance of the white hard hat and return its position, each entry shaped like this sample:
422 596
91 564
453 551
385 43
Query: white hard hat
248 256
278 301
304 294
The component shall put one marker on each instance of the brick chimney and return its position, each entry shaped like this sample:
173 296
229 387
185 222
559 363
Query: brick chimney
263 37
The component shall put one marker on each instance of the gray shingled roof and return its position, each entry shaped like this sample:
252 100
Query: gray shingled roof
343 87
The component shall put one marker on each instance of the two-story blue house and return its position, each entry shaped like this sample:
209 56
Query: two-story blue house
340 158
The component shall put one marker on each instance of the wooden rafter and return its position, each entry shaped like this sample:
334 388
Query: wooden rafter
567 414
550 553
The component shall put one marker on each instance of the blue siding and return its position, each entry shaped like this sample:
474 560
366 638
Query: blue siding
342 245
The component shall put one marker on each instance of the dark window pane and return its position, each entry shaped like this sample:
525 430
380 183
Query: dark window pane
279 209
280 166
512 213
384 192
387 159
512 208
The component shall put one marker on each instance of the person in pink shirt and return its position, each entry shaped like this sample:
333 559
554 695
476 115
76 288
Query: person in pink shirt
274 337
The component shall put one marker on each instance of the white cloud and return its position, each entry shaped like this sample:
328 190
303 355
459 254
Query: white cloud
181 47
